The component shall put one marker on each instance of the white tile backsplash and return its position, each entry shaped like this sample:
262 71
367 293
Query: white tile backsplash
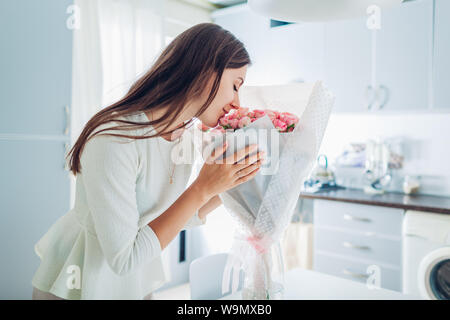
427 142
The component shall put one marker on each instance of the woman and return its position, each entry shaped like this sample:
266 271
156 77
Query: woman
131 199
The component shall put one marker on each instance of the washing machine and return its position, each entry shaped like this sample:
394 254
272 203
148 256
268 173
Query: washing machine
426 255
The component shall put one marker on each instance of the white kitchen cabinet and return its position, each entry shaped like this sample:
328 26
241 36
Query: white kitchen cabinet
35 192
441 65
251 29
349 238
403 58
292 52
356 271
404 55
347 63
295 52
35 86
340 53
36 65
241 21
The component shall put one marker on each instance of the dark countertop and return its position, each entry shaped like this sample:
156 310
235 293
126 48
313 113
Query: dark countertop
427 203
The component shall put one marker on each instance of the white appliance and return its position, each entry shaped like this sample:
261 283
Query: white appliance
426 255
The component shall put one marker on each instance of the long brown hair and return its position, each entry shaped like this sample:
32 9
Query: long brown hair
180 74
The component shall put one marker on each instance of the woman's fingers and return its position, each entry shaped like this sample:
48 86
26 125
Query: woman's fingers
250 168
249 176
217 152
241 154
250 160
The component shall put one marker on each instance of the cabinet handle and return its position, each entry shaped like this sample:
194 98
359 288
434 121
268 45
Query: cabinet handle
355 274
66 150
355 246
370 97
353 218
67 116
374 95
386 96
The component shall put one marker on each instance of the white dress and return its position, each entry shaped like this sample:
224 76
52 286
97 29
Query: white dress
103 247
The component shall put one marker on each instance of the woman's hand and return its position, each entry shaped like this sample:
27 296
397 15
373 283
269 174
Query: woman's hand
220 175
216 176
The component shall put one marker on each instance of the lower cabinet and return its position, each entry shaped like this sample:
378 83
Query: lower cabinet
364 272
350 241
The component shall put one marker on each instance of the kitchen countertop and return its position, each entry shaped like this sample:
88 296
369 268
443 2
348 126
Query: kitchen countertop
426 203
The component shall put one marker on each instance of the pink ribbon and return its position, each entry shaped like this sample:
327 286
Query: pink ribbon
258 243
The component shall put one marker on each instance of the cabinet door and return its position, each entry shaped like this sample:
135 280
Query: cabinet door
36 64
441 72
294 52
347 63
404 55
403 58
282 54
251 28
34 193
35 83
242 22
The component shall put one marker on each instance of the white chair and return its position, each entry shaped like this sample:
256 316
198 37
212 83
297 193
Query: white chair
205 277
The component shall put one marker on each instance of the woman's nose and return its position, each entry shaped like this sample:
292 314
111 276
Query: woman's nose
236 103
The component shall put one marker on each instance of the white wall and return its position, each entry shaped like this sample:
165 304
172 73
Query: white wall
427 142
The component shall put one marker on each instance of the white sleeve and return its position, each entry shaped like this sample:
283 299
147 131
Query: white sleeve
109 171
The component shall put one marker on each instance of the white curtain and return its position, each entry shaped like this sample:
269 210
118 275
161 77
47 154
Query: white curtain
131 35
87 77
116 42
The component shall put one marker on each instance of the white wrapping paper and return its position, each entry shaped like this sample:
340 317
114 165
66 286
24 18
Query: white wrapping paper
264 205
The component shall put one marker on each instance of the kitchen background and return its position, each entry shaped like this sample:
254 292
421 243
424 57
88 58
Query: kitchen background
341 232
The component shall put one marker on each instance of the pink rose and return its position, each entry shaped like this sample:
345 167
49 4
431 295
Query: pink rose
232 115
224 121
291 121
244 122
234 123
280 125
277 114
259 113
242 112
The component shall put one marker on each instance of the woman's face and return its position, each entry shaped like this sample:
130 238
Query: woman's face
227 96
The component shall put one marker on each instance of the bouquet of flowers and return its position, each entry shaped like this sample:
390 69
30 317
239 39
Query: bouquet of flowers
264 205
242 117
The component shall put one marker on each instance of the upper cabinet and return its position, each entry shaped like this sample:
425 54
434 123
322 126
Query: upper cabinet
251 29
242 22
36 66
404 55
294 52
403 59
347 63
279 54
441 64
412 71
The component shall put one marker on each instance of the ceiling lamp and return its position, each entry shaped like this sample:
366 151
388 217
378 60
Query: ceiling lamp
317 10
